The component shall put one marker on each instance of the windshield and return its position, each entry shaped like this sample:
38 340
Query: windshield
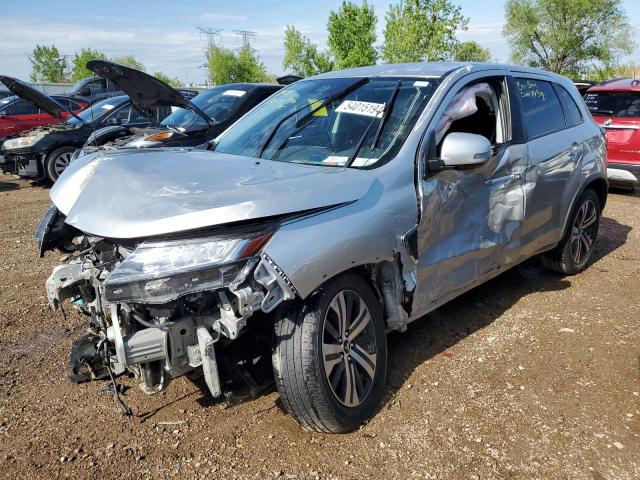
218 103
357 128
94 112
614 104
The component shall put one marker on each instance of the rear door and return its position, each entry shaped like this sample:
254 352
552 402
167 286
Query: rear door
557 137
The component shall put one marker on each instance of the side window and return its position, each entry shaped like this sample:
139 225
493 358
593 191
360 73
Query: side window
22 107
97 85
541 109
571 110
477 109
129 114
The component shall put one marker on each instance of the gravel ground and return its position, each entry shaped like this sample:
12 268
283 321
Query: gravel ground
529 376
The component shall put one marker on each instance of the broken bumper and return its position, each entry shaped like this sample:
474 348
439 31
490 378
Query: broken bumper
23 162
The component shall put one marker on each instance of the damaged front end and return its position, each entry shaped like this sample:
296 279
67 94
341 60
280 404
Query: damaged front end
160 309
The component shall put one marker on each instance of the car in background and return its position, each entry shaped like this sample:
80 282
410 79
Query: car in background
615 106
18 115
93 89
583 85
191 123
45 152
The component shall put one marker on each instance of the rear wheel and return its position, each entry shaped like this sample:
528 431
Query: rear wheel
331 356
57 161
575 250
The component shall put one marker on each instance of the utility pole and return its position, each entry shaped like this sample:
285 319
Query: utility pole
246 35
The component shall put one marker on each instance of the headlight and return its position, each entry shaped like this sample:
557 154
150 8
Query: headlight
151 140
158 272
20 142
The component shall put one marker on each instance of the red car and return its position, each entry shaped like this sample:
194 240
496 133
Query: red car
615 105
18 115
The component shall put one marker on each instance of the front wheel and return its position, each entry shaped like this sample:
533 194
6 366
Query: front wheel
574 252
57 161
330 357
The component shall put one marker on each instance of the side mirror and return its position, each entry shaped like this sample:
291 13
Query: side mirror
84 92
464 150
3 114
114 121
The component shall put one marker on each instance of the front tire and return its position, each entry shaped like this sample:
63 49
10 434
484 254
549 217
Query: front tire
57 161
574 252
330 357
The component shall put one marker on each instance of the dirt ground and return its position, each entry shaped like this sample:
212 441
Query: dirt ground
529 376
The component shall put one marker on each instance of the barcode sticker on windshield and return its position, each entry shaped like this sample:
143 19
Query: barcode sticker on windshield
356 107
107 107
234 93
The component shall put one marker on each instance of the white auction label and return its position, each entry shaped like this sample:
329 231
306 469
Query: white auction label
234 93
356 107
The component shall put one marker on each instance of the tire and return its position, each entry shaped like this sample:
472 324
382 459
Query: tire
574 252
57 160
308 333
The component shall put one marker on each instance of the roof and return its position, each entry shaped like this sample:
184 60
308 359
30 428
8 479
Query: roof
617 85
427 70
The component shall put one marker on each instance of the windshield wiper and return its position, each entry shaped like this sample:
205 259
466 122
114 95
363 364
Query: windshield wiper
606 112
326 102
383 119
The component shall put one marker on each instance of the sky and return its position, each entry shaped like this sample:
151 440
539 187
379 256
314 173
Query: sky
163 35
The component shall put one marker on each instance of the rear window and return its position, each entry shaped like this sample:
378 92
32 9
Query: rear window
541 108
613 104
571 110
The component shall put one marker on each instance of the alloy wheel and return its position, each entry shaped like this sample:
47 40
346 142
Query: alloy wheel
349 348
583 232
61 162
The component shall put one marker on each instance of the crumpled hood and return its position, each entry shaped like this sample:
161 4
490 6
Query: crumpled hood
124 194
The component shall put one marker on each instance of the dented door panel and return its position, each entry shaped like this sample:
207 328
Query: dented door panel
470 226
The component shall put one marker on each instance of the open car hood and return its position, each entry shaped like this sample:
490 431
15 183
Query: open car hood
145 91
27 92
124 194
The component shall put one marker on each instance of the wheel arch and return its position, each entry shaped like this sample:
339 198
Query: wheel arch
599 185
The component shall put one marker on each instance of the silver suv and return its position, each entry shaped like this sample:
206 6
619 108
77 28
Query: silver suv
343 207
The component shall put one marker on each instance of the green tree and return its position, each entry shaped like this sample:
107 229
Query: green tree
227 66
129 61
173 82
471 52
79 70
303 57
352 33
422 30
48 65
567 36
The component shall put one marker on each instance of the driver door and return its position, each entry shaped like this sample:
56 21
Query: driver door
471 216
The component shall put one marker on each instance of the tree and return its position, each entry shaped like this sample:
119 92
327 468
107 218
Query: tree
48 64
352 33
227 66
80 60
567 36
129 61
471 52
422 30
173 82
303 57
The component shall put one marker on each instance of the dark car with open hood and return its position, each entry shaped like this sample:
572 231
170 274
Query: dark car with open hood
191 123
44 152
